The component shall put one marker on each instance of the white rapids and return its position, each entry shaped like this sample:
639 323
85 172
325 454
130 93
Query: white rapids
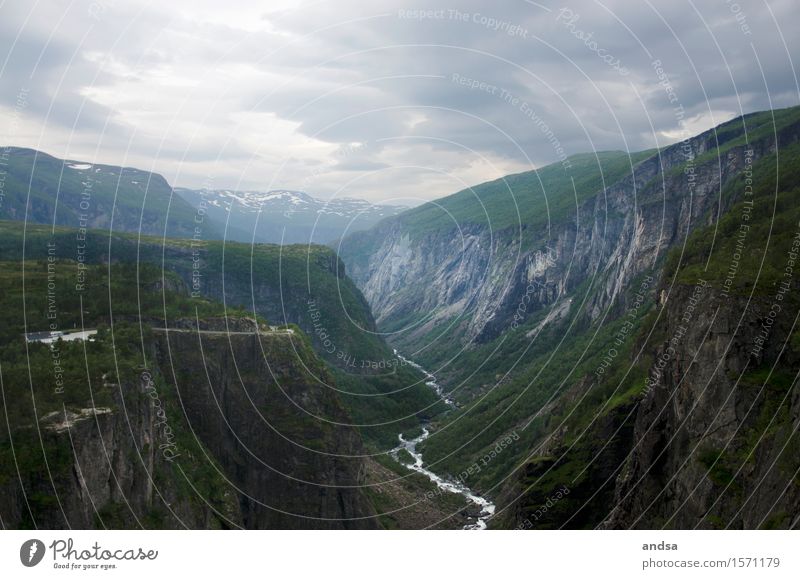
455 487
430 379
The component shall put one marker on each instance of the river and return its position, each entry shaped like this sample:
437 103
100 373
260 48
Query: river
430 379
487 507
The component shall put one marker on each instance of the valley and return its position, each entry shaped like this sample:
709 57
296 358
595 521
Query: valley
320 288
550 314
603 344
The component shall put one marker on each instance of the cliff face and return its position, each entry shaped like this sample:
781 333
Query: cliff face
710 441
476 278
161 420
273 424
714 439
102 467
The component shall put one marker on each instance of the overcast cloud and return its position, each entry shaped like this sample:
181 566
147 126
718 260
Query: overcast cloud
379 100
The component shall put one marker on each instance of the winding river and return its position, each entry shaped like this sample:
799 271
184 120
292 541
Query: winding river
430 379
487 507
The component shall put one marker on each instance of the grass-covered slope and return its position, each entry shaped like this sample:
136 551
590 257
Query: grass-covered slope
529 200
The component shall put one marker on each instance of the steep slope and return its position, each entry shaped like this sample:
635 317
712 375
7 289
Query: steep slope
40 188
284 443
716 433
706 435
532 326
532 237
451 261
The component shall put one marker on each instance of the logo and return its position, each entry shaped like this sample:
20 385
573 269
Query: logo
32 552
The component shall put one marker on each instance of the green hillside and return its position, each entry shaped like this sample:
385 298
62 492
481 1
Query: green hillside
569 352
43 189
525 200
765 382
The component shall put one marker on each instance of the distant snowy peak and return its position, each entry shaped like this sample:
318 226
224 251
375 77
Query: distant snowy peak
284 216
282 201
252 199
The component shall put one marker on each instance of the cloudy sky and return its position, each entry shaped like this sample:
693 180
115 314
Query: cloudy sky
388 101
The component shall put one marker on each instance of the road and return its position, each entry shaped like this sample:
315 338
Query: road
287 332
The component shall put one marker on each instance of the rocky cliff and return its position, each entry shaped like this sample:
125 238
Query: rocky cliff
714 439
265 408
101 467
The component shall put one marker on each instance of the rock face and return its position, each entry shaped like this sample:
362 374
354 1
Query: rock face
219 430
708 443
274 430
105 471
476 278
711 444
658 456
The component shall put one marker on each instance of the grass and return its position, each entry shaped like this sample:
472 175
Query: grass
531 199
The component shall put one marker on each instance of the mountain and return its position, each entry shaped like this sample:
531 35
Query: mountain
43 189
284 216
617 333
40 188
607 315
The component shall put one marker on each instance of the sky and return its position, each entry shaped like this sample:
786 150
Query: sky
392 102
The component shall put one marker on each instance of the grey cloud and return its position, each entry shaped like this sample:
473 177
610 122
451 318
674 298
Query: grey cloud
324 70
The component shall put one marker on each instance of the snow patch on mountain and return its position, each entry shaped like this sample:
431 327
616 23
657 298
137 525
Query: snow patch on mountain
285 216
284 200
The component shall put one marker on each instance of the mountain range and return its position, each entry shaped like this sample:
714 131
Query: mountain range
40 188
608 343
285 216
